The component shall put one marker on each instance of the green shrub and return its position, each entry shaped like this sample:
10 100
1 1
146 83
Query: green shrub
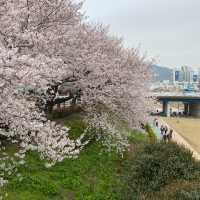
77 127
155 166
188 195
179 190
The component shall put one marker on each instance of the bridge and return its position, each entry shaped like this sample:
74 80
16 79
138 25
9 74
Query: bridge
191 102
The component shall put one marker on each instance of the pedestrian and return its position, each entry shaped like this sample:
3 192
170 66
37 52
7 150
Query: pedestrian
155 121
171 111
166 130
142 125
165 133
168 137
165 137
162 129
170 134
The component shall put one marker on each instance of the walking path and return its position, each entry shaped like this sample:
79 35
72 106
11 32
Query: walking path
176 137
157 132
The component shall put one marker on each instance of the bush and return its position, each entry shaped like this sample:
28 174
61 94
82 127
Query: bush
180 190
154 167
185 195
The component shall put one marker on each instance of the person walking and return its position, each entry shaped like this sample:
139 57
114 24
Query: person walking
166 129
170 135
162 129
164 137
154 121
165 133
142 125
157 123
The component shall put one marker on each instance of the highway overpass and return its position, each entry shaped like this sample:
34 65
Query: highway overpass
191 103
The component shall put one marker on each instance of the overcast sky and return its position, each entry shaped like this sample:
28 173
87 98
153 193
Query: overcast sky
168 30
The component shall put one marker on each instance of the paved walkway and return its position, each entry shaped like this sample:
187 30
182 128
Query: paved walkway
157 132
181 141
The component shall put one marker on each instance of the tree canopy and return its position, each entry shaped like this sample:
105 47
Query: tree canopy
45 43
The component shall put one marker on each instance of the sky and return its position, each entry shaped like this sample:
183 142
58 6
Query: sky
166 30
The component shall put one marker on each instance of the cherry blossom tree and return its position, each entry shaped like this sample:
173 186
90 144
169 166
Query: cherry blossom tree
45 43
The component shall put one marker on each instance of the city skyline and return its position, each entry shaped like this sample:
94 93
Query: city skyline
165 30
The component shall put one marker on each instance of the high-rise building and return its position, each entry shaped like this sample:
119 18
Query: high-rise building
185 74
179 77
195 78
189 73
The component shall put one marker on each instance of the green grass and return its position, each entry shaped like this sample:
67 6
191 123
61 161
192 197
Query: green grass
76 124
137 137
95 174
10 149
91 176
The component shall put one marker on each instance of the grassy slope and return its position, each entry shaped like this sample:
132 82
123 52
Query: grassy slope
91 176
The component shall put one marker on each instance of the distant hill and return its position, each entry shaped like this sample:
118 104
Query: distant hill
162 73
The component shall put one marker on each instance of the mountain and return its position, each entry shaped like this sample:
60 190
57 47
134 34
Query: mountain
162 73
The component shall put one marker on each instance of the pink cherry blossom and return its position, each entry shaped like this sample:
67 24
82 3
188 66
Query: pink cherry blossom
45 43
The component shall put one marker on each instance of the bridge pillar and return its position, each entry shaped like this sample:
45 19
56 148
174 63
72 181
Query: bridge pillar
194 109
166 110
186 109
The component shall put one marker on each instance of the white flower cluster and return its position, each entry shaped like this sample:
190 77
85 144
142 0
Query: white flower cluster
9 166
108 133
